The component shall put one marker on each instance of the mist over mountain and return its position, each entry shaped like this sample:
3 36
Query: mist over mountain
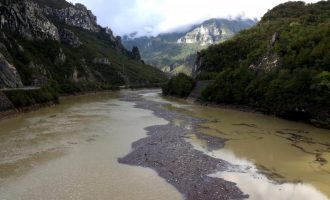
176 52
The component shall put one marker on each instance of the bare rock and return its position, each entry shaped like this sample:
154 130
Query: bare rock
28 19
9 77
70 38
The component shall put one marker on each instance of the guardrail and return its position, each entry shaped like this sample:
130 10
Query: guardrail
19 89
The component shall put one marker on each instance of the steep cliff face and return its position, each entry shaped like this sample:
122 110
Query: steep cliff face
214 31
9 76
27 18
203 35
77 15
53 40
176 52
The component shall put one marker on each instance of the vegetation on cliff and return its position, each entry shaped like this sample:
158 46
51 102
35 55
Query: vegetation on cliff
21 98
179 86
280 66
68 48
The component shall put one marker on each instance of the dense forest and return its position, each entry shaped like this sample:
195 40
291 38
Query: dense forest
281 66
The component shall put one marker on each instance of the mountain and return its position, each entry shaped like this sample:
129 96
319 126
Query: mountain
176 52
54 41
281 66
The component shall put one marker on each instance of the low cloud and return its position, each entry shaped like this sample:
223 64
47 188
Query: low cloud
151 17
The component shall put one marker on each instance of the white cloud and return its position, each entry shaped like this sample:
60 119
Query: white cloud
159 16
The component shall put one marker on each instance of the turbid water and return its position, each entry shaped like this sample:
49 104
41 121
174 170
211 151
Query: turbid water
277 159
71 151
284 151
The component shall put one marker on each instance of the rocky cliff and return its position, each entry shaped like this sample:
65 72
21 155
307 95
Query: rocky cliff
56 40
77 15
27 18
9 76
176 52
214 31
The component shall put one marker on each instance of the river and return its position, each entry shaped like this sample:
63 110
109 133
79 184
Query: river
71 151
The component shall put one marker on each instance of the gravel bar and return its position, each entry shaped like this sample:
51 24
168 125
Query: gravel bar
167 151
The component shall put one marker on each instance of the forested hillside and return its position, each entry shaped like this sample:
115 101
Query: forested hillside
281 66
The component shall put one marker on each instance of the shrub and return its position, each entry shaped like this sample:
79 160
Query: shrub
180 86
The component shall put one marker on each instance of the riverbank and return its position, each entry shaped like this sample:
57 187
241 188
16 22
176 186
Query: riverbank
325 124
275 145
167 151
70 151
299 116
311 110
8 109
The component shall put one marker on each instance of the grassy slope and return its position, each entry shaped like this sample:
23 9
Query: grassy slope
99 45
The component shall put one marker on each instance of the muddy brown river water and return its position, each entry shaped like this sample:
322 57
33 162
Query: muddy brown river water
71 151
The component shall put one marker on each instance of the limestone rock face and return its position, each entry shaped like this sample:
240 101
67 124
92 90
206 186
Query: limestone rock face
270 60
40 76
135 54
214 31
28 19
9 77
70 38
77 15
102 61
24 23
119 46
110 33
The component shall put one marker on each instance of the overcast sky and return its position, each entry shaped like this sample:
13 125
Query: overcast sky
161 16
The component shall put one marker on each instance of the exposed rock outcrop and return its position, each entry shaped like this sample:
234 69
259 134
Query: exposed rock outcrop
205 35
40 76
119 46
135 54
27 18
70 38
110 33
85 75
30 20
198 67
213 31
61 58
77 15
102 61
270 60
9 77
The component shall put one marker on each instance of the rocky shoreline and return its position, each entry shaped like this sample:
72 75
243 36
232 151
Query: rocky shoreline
167 151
